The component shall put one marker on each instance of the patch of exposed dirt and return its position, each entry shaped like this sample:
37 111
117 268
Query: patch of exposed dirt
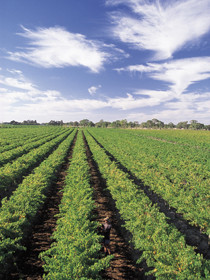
7 192
123 265
193 235
28 264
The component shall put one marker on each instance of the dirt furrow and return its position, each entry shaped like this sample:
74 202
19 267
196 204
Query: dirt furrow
193 235
123 265
9 191
28 265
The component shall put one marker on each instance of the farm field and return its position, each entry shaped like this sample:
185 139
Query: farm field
57 184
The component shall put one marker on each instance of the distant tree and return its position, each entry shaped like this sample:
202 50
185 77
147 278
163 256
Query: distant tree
131 124
75 123
52 122
55 122
169 125
196 125
143 125
13 122
124 123
91 124
86 122
30 122
149 124
116 124
102 123
106 124
157 123
183 125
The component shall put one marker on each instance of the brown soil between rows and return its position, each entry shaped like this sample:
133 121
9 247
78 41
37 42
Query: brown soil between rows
123 265
6 193
193 235
28 264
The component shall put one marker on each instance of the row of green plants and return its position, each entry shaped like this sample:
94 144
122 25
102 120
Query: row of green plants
175 173
12 173
196 139
163 246
19 212
160 149
12 154
10 139
75 253
8 136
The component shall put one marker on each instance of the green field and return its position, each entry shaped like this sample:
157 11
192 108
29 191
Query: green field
159 180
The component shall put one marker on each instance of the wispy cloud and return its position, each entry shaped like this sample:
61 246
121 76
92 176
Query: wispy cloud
133 101
17 88
179 74
57 47
92 90
30 102
172 115
161 26
15 83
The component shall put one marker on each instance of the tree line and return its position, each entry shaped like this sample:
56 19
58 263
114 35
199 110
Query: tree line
154 124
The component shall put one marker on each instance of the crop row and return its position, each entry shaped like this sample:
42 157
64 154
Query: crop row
184 184
20 135
12 154
75 252
163 247
11 138
12 173
18 213
195 139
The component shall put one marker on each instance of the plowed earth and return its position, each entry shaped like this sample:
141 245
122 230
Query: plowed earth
123 266
193 235
28 263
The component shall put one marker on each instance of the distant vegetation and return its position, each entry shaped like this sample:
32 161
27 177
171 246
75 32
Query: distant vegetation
154 123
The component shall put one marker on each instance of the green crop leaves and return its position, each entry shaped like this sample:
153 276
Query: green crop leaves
75 254
163 246
17 213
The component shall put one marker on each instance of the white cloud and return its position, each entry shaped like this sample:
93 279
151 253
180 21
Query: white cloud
180 74
12 82
56 47
92 90
32 103
171 115
161 26
16 88
17 80
152 98
24 105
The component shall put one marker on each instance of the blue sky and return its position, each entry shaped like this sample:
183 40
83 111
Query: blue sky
105 59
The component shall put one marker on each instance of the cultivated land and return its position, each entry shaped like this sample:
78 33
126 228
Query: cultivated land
57 185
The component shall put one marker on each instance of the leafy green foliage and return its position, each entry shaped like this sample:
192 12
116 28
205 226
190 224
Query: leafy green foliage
17 213
75 252
12 154
179 174
163 246
12 173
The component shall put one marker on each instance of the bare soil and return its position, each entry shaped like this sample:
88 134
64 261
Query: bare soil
28 264
193 235
123 266
7 192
